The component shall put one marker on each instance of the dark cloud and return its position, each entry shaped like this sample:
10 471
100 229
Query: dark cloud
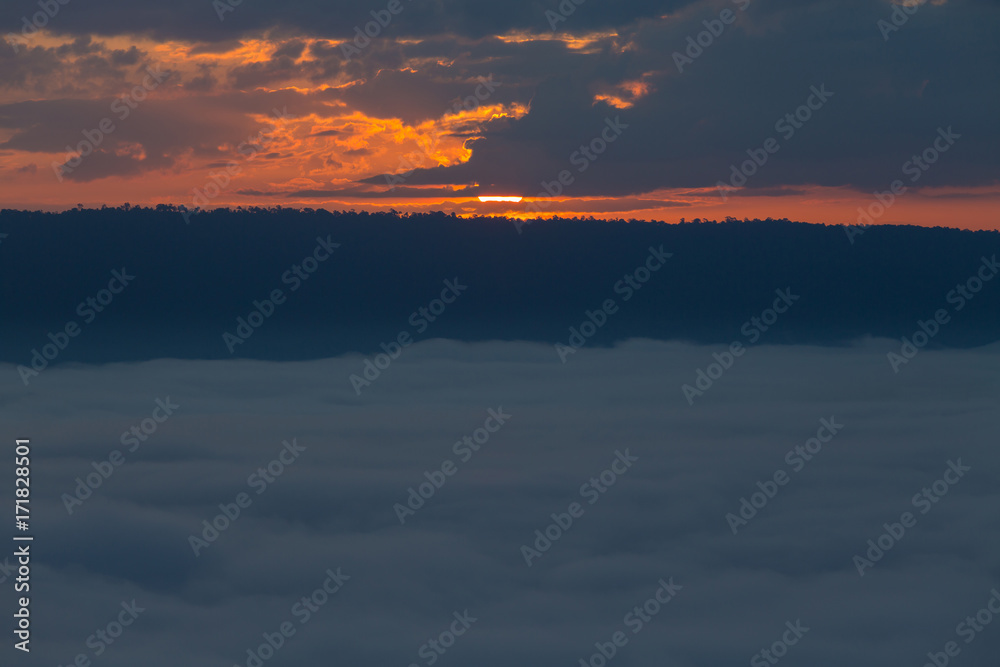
291 49
398 192
126 57
279 68
419 96
204 82
198 20
73 69
165 127
889 101
687 128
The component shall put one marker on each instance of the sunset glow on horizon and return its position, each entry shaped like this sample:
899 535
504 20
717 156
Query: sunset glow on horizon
243 116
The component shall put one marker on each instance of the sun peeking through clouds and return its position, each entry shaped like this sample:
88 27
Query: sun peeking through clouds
420 123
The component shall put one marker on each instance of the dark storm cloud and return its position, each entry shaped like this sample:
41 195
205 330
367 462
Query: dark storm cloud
198 20
686 128
415 97
889 101
665 517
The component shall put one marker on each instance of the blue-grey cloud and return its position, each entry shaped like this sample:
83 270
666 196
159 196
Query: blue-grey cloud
665 517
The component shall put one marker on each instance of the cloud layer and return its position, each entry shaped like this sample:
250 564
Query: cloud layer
664 517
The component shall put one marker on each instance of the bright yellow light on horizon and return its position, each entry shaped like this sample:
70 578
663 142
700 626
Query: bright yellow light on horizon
513 199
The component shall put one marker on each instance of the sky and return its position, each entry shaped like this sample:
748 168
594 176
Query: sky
298 374
803 109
